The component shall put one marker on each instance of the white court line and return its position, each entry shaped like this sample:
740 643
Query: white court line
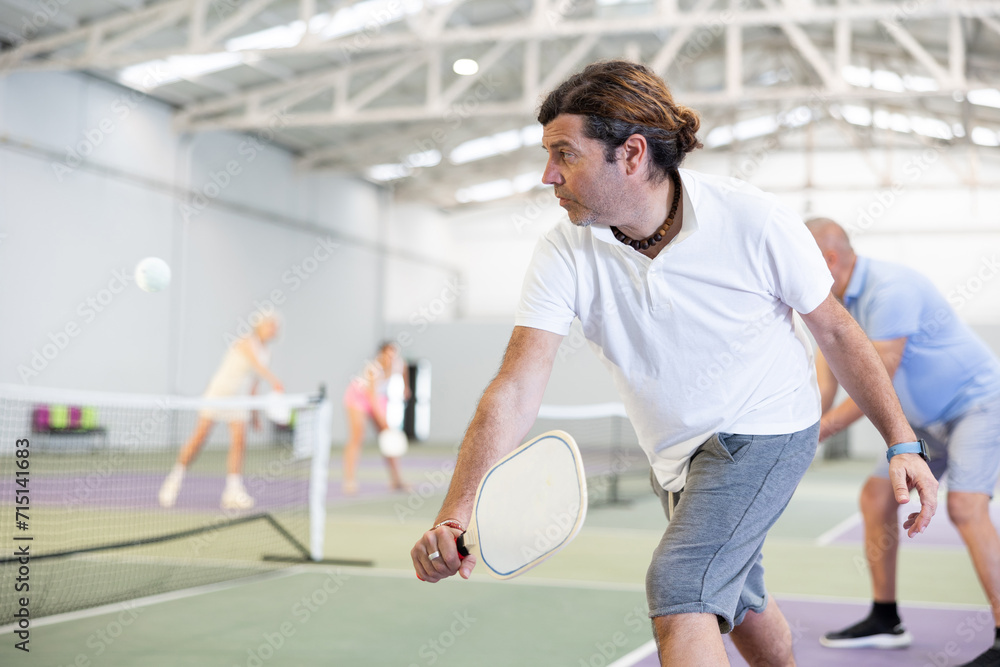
150 600
646 650
838 530
954 606
480 577
614 531
855 519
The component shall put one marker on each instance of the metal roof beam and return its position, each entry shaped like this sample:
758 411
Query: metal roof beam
41 53
907 41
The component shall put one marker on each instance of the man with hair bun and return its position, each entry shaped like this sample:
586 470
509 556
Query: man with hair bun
687 287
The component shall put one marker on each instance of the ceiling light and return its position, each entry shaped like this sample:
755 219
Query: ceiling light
496 144
856 115
154 73
279 37
485 191
388 172
984 137
465 67
987 97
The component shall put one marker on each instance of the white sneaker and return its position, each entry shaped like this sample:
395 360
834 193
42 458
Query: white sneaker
170 488
236 499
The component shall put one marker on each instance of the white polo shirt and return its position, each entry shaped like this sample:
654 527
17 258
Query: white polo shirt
702 338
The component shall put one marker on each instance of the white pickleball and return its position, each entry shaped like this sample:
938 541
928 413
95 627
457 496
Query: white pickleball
152 274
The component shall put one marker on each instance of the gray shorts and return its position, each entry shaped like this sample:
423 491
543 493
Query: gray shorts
709 559
967 449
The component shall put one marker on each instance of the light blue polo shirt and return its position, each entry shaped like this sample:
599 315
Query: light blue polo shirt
946 368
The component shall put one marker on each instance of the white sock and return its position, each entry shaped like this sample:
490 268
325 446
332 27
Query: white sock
234 482
178 470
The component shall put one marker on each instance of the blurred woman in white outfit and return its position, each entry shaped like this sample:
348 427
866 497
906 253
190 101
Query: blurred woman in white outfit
244 362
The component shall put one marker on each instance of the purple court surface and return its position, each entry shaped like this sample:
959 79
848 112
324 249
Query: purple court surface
941 637
202 490
941 532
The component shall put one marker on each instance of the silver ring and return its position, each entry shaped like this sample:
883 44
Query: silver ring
436 554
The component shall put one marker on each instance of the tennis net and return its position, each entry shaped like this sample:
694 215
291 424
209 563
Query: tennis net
82 520
617 468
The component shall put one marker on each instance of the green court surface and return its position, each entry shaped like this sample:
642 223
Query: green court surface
584 607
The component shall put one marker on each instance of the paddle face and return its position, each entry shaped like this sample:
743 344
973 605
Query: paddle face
392 442
529 505
277 409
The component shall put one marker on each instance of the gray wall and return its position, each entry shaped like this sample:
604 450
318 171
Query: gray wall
464 357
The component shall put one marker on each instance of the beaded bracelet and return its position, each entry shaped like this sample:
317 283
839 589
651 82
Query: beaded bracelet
451 523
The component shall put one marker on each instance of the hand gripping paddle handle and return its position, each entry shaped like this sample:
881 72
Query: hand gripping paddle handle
463 551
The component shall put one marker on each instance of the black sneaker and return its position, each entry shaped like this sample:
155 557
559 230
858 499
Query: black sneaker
869 633
989 658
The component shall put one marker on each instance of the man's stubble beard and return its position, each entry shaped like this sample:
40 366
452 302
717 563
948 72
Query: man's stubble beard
585 221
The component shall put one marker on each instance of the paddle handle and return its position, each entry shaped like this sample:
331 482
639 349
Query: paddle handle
460 543
467 540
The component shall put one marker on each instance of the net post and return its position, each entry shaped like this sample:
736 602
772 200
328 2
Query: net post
616 451
318 477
